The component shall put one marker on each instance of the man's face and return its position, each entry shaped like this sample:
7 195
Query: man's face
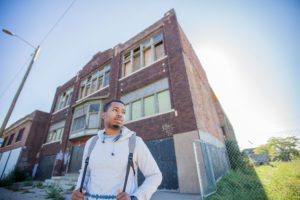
115 115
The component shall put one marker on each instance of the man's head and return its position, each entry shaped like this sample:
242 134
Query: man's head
114 114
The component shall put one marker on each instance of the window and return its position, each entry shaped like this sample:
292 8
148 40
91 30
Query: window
55 135
158 102
149 105
20 135
164 101
10 139
95 82
136 109
86 116
79 123
143 55
56 132
64 99
4 142
127 115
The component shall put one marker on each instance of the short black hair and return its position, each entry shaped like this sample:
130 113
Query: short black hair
108 104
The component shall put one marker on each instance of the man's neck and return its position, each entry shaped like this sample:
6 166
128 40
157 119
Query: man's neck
110 131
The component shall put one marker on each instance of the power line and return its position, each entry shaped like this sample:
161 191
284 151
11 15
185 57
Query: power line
59 19
14 78
43 40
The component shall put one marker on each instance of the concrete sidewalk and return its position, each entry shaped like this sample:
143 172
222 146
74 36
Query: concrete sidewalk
29 193
165 195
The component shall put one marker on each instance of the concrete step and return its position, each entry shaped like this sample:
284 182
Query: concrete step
65 182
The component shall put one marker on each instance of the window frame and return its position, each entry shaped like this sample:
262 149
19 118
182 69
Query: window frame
64 99
21 132
128 56
102 75
155 106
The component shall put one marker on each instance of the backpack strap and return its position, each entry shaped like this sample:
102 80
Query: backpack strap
90 149
131 144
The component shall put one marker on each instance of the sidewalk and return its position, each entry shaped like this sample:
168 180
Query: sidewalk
164 195
29 193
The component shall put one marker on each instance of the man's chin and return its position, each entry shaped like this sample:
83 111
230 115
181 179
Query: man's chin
116 126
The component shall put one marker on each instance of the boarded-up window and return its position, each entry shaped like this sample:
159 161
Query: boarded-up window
147 56
149 105
127 115
164 103
127 68
136 59
159 50
136 109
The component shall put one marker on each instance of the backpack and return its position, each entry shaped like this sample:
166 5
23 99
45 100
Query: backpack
131 145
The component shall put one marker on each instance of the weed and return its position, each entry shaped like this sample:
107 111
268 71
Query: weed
54 192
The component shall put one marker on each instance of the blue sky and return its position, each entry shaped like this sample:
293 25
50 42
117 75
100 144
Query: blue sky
249 49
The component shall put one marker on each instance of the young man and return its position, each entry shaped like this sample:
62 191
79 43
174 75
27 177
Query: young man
109 158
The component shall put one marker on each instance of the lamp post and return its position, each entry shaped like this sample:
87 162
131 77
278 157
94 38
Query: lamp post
13 103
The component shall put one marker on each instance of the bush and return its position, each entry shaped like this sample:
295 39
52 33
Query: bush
54 192
16 175
237 159
39 185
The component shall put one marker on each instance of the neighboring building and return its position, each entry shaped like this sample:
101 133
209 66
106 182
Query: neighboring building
257 159
169 103
22 141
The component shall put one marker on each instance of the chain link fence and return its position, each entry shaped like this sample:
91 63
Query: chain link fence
226 173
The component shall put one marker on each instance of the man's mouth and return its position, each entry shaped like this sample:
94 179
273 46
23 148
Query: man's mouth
119 120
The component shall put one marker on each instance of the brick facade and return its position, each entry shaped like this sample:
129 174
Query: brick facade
34 126
194 107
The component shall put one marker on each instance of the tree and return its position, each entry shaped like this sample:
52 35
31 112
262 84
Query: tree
280 149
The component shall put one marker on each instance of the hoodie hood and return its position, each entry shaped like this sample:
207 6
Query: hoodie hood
126 133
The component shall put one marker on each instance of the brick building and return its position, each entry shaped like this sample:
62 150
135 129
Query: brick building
169 103
22 141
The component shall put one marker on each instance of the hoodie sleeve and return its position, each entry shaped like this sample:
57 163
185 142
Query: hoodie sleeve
150 170
85 151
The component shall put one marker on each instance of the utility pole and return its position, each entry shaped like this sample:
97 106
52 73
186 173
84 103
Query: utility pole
13 103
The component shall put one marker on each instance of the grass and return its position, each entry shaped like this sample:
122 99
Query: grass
280 180
54 192
239 184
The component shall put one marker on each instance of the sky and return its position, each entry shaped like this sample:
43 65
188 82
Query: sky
250 51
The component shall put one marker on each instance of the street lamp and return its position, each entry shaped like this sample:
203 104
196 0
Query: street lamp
13 103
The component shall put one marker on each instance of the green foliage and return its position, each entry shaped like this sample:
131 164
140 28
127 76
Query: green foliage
239 184
237 159
281 180
39 185
15 176
71 189
280 149
54 192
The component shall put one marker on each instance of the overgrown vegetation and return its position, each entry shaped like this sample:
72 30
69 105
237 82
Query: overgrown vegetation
39 185
15 176
239 184
237 159
242 181
281 180
54 192
281 149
